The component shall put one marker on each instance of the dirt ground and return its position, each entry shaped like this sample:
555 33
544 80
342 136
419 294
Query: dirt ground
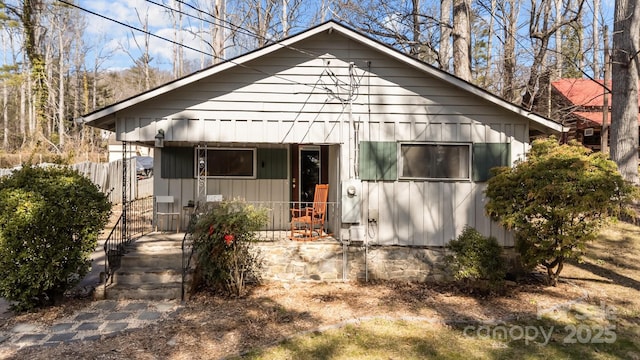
210 327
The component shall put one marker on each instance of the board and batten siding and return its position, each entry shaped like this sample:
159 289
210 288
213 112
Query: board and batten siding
177 178
291 97
284 97
429 212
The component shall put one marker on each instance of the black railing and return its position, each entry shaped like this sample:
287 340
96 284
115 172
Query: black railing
138 222
187 249
113 250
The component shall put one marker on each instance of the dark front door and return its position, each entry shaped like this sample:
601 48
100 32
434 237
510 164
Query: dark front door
309 168
310 171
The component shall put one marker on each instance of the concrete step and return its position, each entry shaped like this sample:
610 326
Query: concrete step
169 291
141 276
152 260
157 245
150 269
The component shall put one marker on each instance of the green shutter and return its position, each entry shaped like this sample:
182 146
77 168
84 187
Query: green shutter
177 163
272 163
487 156
378 160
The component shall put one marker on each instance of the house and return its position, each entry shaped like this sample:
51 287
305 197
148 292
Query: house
413 145
581 102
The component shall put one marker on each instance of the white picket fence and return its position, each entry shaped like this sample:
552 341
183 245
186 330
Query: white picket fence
108 178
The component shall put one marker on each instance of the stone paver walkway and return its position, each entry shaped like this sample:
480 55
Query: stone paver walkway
101 319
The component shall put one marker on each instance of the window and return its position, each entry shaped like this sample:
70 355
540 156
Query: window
231 162
435 161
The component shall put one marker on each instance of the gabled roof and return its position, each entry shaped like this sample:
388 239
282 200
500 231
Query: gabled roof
105 118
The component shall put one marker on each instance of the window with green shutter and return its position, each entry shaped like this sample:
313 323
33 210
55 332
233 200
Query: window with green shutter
487 156
378 160
434 161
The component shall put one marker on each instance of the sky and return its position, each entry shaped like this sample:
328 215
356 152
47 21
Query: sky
119 42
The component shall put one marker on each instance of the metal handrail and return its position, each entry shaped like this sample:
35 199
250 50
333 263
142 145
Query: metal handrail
113 250
187 241
138 222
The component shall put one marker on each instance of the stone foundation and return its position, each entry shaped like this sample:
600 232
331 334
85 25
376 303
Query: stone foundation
328 260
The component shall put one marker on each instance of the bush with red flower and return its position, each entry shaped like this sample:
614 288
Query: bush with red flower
225 260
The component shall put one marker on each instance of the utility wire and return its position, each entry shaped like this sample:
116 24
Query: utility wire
230 26
186 46
135 28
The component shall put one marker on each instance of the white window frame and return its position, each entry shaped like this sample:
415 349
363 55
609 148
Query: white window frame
412 143
209 157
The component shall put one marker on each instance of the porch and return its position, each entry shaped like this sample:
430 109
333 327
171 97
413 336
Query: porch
278 227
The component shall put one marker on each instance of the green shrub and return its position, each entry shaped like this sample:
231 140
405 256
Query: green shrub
476 257
222 239
556 201
50 219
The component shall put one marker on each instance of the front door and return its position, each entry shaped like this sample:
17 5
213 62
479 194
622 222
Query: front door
309 168
310 172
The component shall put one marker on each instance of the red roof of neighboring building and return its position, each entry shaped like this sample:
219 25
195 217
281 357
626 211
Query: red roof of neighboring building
586 93
596 116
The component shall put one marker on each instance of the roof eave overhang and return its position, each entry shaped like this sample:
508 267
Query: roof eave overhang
105 118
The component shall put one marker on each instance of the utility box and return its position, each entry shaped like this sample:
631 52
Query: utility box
352 201
357 233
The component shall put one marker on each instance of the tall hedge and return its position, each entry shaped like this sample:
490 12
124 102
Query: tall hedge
50 219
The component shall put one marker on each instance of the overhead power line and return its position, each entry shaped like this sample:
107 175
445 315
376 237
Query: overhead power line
230 26
134 28
191 48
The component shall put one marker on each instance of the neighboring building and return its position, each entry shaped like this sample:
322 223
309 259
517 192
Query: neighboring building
580 103
331 105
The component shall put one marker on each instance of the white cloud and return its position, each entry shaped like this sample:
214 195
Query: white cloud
120 36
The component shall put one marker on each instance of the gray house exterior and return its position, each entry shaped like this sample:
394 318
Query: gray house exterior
330 105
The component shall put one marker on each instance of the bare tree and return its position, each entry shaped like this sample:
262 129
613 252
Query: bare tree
444 52
462 39
624 92
595 65
542 26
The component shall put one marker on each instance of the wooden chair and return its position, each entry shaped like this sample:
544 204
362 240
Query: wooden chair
307 224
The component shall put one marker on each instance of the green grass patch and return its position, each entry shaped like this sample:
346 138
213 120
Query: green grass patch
536 339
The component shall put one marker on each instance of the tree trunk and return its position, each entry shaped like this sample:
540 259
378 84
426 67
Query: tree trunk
217 31
558 37
462 39
31 27
444 51
509 56
596 40
61 105
488 71
624 92
415 23
5 98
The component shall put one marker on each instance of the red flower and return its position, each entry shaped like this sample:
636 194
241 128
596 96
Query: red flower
211 229
228 239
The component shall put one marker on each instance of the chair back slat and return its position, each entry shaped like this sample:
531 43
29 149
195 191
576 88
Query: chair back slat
320 199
